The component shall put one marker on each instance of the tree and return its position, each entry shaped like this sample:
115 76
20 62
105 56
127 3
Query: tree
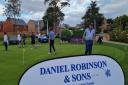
56 18
57 3
111 26
92 14
66 26
12 8
121 21
110 21
54 13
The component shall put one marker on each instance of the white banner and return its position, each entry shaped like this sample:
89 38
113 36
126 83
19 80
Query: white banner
78 70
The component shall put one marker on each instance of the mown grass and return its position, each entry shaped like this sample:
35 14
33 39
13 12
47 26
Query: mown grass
12 67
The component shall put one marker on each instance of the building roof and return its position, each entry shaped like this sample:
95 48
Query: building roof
18 21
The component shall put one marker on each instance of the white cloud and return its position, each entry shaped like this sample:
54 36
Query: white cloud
115 8
1 9
75 12
33 6
34 9
33 16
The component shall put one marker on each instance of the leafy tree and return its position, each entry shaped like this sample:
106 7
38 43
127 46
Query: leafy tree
57 3
78 33
12 8
121 21
110 21
57 17
92 14
120 32
54 13
111 26
66 34
66 26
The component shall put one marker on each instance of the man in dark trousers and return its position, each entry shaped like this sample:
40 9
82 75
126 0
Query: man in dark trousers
24 38
6 41
88 37
33 38
100 38
51 41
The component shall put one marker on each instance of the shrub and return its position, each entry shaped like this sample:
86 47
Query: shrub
66 34
78 33
77 36
119 35
126 28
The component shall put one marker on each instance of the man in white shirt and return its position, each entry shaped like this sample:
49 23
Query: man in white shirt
19 39
6 41
88 37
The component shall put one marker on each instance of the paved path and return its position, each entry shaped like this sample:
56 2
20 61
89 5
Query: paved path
116 43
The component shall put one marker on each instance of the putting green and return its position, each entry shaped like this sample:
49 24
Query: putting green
12 67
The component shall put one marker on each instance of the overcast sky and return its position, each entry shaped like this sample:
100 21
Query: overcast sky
35 9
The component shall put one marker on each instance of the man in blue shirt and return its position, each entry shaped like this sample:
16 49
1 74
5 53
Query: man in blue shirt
51 41
88 37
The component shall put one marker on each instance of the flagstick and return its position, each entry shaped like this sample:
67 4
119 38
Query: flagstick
23 61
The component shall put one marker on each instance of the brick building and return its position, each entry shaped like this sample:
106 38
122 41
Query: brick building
1 26
14 25
34 25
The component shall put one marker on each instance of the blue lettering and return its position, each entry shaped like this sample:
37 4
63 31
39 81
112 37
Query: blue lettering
48 71
83 66
90 65
73 68
81 77
55 69
102 64
42 71
95 65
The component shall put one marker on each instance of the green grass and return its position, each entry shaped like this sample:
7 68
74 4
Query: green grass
12 67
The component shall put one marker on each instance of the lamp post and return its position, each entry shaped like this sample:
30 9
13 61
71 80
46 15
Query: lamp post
46 19
38 26
47 27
